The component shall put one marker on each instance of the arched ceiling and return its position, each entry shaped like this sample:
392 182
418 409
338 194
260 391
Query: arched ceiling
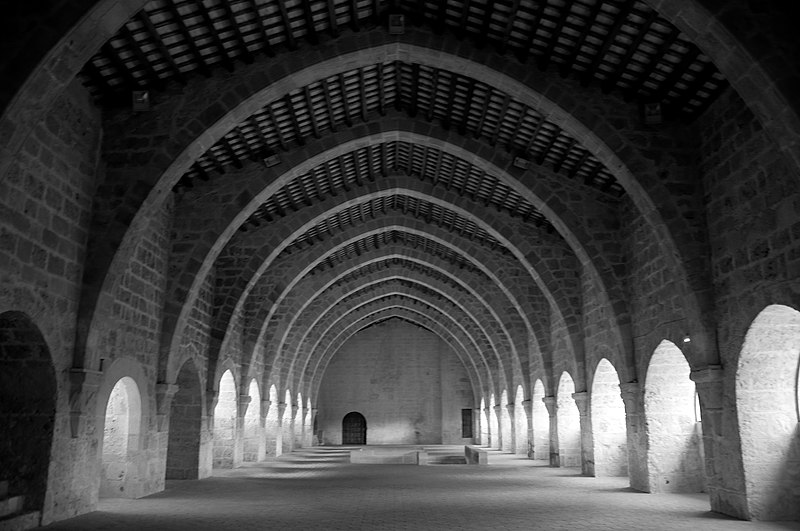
494 263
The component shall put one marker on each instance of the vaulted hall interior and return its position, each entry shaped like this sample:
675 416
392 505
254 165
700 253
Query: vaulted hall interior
560 230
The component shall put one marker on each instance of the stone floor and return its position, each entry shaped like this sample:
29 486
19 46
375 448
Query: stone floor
319 489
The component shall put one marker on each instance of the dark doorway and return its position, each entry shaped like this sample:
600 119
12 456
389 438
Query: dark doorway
354 429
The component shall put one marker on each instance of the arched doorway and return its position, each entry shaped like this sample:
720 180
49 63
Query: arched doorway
121 429
27 409
608 423
225 422
253 443
569 423
354 428
185 421
674 434
767 406
540 422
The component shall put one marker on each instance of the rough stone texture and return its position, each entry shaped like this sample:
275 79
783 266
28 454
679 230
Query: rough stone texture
409 387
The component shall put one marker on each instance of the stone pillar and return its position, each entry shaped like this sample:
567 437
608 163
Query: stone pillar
83 386
243 403
721 450
587 442
498 415
511 444
633 399
489 436
279 429
313 440
299 433
476 426
552 410
528 406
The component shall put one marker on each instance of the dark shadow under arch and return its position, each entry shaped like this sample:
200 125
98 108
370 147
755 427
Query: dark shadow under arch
27 408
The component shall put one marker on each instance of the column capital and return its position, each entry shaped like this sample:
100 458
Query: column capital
707 375
551 404
582 401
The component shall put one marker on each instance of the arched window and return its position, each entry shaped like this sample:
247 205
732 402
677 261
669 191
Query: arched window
569 423
609 428
225 422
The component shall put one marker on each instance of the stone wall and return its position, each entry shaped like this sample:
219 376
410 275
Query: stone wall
405 381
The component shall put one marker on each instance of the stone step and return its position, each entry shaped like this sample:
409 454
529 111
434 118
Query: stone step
20 522
12 505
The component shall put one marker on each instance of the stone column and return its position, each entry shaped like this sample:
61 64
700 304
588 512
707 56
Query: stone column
238 438
279 429
511 444
262 433
587 441
476 425
528 406
722 456
488 413
83 386
552 410
312 436
498 415
633 399
299 434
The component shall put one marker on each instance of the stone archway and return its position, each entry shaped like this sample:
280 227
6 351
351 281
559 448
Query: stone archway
185 423
253 434
27 409
494 424
225 422
569 423
121 429
767 407
674 434
609 428
540 422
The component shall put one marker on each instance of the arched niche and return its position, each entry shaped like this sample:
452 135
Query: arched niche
225 422
608 423
540 423
569 423
521 445
253 433
506 427
272 425
674 433
767 406
354 428
119 476
27 409
185 423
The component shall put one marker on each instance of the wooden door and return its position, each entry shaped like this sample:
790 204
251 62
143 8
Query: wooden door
354 429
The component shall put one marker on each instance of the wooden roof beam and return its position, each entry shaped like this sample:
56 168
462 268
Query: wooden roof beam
188 40
261 29
247 57
291 42
348 120
567 66
223 53
152 32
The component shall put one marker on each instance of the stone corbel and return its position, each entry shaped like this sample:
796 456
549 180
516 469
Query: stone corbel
83 385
